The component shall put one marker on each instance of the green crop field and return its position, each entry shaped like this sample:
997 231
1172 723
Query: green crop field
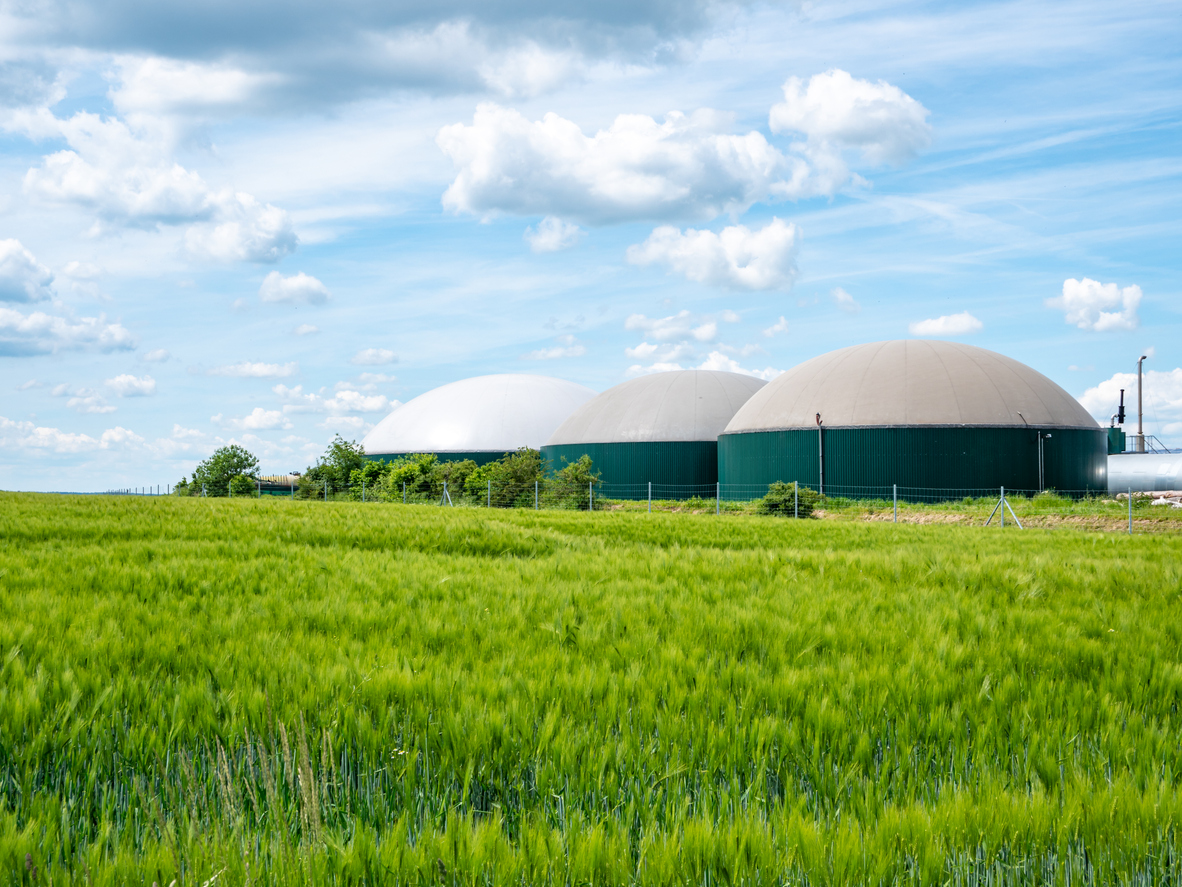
276 692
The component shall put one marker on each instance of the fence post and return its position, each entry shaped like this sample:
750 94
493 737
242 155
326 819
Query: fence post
796 499
1003 508
590 495
203 490
259 482
535 495
404 492
895 495
363 489
326 489
650 497
1130 511
489 493
718 497
230 488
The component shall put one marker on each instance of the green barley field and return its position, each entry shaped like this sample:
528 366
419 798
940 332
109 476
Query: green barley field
243 692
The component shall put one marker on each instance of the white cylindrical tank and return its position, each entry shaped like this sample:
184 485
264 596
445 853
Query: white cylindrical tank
1144 472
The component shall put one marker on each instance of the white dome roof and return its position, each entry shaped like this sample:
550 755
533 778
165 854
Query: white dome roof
677 406
483 414
910 382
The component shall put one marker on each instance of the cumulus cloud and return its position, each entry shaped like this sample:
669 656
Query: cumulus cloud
837 113
306 329
845 301
553 235
40 333
684 167
87 401
682 325
1083 303
22 277
297 288
25 436
127 385
345 399
568 346
636 169
127 179
780 326
373 357
736 258
248 370
257 419
156 85
157 355
715 360
719 361
1162 395
947 325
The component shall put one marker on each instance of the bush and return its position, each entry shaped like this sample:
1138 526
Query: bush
571 484
241 485
781 500
512 476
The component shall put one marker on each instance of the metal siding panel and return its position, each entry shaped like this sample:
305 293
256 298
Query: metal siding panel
677 463
949 458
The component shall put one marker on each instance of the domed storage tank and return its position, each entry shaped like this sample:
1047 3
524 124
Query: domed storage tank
662 428
481 418
920 414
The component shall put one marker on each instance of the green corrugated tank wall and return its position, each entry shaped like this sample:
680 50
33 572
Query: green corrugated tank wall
481 457
868 461
665 463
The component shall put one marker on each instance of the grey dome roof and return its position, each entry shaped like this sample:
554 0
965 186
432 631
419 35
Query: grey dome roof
910 382
483 414
682 405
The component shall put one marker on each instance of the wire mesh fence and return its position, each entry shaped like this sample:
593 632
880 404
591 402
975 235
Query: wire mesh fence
995 507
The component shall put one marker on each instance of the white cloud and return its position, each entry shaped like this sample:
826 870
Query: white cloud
118 437
306 329
157 85
127 385
1162 396
716 360
729 316
845 301
22 277
685 167
568 346
553 235
126 178
837 113
40 333
664 354
780 326
27 436
82 271
248 370
246 230
257 419
948 325
157 355
298 288
373 357
676 326
737 257
1083 303
370 379
344 400
87 401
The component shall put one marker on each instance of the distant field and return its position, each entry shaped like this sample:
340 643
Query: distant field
307 692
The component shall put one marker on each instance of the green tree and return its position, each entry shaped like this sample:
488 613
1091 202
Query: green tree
216 472
513 477
571 484
340 460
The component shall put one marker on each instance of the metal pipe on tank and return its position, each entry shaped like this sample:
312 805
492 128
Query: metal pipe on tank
1140 414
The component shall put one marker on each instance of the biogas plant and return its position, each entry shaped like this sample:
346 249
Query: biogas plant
903 414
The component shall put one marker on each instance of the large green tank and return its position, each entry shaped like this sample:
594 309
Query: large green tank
937 419
660 429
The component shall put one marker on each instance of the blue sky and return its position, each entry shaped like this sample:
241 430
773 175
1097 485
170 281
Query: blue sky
269 223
